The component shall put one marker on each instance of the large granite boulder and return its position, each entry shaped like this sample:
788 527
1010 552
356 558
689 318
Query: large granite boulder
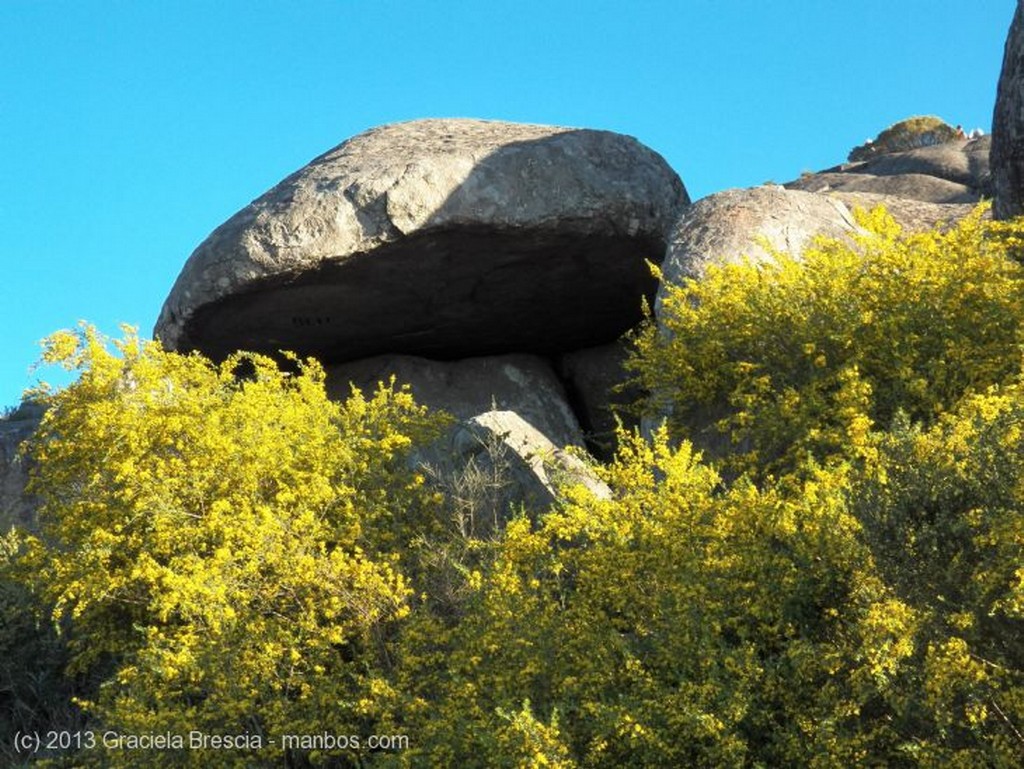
441 238
749 223
736 224
739 224
955 172
1008 125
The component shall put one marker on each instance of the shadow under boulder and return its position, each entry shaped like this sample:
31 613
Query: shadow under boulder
442 238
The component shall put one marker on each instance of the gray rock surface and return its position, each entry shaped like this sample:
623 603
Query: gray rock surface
1008 126
524 384
930 189
911 215
442 238
16 506
955 172
533 467
730 225
514 424
596 379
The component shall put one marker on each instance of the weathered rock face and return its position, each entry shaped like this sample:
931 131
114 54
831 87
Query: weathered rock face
514 423
911 215
955 172
1008 126
442 238
16 506
728 226
467 388
597 380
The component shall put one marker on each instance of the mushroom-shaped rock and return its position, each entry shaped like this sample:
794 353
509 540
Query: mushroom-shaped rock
1008 125
441 238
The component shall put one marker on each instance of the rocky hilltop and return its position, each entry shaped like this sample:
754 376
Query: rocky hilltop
956 171
495 266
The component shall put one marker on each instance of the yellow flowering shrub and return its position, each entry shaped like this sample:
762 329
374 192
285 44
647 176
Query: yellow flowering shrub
943 513
224 542
841 585
795 360
847 593
676 624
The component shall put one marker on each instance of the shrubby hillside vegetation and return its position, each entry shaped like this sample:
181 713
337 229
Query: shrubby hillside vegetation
813 558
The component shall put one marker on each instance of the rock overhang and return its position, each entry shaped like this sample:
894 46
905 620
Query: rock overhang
441 238
477 292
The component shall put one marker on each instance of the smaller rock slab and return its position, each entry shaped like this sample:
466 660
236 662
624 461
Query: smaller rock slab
514 425
524 384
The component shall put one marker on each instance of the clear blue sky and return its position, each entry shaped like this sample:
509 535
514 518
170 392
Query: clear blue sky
129 130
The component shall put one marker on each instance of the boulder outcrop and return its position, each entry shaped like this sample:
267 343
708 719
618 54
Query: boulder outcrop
440 238
1008 126
749 223
954 172
735 224
739 224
